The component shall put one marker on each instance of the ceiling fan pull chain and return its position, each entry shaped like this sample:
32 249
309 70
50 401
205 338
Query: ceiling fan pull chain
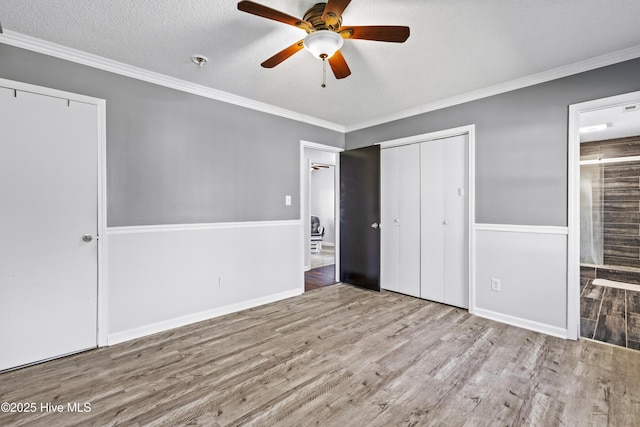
324 70
324 73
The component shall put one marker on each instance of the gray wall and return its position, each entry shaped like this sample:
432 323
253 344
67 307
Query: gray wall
180 158
521 142
175 158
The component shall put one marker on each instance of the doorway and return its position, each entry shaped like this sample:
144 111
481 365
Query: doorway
319 177
51 181
322 210
604 250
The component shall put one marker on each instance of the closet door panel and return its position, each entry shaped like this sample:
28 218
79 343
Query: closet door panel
432 217
456 286
389 213
409 220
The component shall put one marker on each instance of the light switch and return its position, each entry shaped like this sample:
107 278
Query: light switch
287 200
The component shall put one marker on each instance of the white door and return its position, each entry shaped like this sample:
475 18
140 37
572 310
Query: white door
456 277
432 214
389 214
48 201
400 219
444 213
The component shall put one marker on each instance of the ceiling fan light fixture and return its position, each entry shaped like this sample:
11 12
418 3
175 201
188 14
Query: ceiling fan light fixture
323 43
594 128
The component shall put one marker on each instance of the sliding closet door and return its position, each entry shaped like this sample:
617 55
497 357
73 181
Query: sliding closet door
444 213
400 219
456 277
389 214
432 222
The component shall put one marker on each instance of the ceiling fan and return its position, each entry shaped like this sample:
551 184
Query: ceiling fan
325 33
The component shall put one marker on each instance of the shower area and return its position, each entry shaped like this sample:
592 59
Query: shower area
610 238
610 214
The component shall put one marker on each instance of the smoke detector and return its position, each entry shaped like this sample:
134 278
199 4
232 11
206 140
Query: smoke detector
200 60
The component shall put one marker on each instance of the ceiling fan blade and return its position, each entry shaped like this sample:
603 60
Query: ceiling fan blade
283 54
339 65
333 11
267 12
381 33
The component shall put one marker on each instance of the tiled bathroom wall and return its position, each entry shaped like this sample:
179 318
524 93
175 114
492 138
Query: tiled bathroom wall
620 199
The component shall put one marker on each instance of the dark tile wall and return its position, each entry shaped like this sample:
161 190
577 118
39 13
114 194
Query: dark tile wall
616 274
621 199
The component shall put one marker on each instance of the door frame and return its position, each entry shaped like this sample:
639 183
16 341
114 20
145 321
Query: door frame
305 208
470 131
573 205
102 319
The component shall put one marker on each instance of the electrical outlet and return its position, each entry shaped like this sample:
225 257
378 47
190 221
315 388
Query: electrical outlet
287 200
220 282
496 285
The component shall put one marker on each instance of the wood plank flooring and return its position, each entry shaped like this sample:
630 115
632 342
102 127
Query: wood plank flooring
319 277
337 356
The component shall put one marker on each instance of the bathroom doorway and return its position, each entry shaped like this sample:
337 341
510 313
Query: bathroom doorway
609 220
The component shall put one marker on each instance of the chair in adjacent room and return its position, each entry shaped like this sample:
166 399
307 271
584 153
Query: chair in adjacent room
317 234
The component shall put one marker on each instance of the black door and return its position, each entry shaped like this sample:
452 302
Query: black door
360 217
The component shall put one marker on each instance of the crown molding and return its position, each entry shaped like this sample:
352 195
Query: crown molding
33 44
23 41
533 79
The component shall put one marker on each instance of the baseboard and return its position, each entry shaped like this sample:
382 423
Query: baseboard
522 323
154 328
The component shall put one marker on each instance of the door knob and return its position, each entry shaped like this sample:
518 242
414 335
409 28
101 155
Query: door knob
375 225
87 238
445 222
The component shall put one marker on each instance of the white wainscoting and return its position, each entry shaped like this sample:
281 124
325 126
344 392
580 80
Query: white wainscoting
531 263
162 277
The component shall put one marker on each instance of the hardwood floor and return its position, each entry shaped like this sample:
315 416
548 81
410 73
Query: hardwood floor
337 356
319 277
326 256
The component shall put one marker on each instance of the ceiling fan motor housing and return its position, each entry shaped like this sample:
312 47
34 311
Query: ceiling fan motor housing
314 17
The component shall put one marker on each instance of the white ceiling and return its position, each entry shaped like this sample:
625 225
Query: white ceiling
455 47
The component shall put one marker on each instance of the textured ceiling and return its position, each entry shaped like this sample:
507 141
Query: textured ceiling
455 47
